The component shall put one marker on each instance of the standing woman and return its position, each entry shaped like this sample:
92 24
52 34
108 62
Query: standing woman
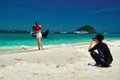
37 30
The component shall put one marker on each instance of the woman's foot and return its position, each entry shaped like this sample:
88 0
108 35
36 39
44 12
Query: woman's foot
40 48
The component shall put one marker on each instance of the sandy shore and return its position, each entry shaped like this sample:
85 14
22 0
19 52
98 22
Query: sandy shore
58 62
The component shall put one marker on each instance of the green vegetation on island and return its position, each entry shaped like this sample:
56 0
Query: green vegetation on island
86 28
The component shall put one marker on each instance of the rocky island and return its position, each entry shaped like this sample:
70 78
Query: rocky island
85 29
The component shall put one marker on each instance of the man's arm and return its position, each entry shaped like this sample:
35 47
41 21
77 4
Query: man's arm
91 43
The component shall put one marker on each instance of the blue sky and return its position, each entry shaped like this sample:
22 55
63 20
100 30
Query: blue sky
60 15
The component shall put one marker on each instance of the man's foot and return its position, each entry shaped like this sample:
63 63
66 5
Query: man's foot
98 65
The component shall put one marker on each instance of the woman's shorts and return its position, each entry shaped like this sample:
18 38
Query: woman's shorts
38 34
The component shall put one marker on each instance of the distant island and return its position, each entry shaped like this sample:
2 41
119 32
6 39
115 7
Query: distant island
13 31
44 34
85 29
82 30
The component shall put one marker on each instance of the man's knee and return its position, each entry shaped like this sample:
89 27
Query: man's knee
93 53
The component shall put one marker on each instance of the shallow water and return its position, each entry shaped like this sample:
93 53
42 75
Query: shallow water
16 41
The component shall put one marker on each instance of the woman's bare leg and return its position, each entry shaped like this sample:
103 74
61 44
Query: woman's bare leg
39 43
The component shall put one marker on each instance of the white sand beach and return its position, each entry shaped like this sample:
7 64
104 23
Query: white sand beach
58 62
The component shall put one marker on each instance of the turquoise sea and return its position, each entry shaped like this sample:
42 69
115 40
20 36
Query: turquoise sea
9 41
